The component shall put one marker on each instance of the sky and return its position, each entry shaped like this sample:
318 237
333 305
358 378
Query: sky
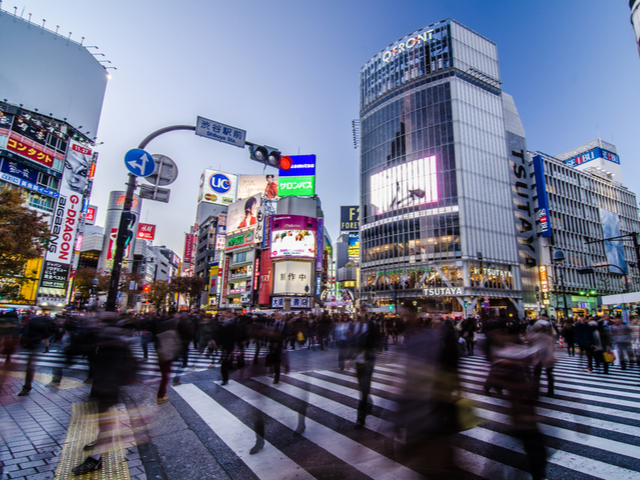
287 72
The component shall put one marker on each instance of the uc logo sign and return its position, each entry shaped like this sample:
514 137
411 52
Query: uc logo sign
220 183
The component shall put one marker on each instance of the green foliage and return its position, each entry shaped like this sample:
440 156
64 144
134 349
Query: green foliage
158 292
191 287
24 236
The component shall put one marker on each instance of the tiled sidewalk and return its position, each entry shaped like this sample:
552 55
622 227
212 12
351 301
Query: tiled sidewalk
34 428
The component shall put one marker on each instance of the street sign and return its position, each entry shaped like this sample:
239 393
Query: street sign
139 162
220 132
155 193
165 171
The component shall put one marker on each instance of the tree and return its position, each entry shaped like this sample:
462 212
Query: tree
24 236
157 293
191 287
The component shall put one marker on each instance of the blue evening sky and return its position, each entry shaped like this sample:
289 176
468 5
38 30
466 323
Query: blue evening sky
287 72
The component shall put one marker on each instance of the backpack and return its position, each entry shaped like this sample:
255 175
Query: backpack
168 347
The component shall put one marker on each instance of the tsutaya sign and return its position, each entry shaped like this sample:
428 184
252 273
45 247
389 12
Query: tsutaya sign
407 45
443 292
491 272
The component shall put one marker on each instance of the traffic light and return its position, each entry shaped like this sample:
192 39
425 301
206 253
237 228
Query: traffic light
582 292
145 289
592 292
270 156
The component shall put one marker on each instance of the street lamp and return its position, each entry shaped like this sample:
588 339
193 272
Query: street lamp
558 260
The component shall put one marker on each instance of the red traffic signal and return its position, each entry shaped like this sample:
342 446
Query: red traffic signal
145 288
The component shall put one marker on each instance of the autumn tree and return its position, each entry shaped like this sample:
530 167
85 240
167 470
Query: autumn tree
190 287
157 293
24 236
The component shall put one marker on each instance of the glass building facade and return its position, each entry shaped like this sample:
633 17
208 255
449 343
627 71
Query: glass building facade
437 210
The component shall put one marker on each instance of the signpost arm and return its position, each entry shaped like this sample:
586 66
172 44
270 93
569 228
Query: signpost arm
124 220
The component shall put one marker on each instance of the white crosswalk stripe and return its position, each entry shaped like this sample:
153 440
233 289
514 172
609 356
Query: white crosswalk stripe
590 426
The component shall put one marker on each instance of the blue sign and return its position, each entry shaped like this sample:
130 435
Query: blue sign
139 162
592 155
543 202
19 170
301 166
220 183
28 185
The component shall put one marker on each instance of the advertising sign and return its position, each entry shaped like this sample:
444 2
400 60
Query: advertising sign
265 278
406 185
293 236
243 214
146 231
319 252
225 282
299 180
350 218
239 240
354 246
54 275
592 155
295 302
188 248
220 132
23 176
217 187
543 202
66 216
92 213
614 250
292 278
250 185
30 150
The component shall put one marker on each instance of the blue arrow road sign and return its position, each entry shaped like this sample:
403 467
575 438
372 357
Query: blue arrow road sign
139 162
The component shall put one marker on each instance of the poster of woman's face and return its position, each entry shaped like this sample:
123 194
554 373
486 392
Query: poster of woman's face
76 169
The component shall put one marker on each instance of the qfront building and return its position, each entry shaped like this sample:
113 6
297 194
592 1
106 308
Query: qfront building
440 143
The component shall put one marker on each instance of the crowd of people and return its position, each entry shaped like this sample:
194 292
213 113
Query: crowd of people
519 351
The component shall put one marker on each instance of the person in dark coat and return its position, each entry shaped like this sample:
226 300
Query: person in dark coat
38 328
226 341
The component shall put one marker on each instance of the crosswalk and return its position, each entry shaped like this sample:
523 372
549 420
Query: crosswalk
591 426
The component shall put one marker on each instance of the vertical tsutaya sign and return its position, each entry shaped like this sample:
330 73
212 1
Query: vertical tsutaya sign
66 218
297 176
543 203
349 218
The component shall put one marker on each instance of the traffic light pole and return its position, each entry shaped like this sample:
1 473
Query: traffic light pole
112 295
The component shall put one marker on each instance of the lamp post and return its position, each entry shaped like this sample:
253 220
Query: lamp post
558 260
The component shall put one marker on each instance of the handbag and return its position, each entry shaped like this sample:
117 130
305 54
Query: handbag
168 346
609 357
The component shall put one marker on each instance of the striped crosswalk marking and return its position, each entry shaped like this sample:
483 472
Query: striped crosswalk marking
590 427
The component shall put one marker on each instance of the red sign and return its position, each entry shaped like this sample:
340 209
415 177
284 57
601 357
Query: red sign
29 151
91 215
146 231
265 278
188 248
81 149
92 171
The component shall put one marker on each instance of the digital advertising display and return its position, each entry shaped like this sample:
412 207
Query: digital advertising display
293 236
614 250
292 278
543 201
217 187
243 213
297 176
250 185
407 185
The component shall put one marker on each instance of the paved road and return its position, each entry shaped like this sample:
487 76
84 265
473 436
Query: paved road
591 427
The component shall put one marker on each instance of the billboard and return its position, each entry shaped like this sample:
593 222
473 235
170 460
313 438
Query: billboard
592 155
265 278
407 185
146 231
614 249
354 246
217 187
19 174
188 248
243 213
350 218
299 180
292 278
293 236
75 81
66 218
543 202
250 185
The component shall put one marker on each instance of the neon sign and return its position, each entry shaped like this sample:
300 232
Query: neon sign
406 46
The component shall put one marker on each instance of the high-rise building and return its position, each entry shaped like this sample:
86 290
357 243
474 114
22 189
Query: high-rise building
634 5
437 222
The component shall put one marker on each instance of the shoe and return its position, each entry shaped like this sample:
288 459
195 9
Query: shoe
256 448
359 425
224 383
177 381
163 400
89 465
89 446
24 392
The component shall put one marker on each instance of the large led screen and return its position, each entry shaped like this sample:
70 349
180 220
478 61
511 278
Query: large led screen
407 185
293 236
